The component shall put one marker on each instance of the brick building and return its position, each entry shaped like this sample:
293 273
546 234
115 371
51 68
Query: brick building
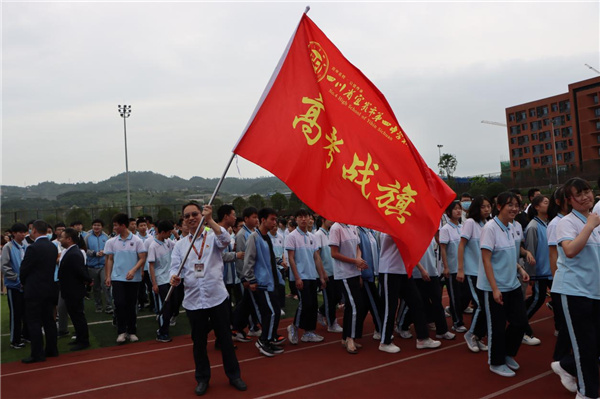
561 130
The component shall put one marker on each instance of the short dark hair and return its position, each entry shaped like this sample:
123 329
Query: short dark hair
164 225
98 221
30 222
474 211
121 218
301 212
466 195
224 210
514 191
249 212
265 212
148 218
76 222
238 220
578 184
191 203
532 192
59 224
140 220
532 212
131 220
451 207
40 226
554 208
507 196
18 228
73 234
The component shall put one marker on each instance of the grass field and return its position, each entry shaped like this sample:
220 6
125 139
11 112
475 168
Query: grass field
102 332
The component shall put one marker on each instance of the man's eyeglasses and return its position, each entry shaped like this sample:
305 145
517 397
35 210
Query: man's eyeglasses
192 214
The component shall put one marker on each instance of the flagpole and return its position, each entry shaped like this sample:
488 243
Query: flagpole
200 226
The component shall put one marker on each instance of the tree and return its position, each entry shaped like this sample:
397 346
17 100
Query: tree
106 216
164 214
257 201
79 214
239 204
279 202
448 164
478 185
294 204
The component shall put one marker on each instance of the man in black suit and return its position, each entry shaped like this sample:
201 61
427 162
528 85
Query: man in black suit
40 293
73 276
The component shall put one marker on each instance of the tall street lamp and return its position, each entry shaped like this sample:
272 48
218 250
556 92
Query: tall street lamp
554 147
439 146
125 111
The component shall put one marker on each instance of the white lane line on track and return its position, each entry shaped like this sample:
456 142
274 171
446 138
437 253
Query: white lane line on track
520 384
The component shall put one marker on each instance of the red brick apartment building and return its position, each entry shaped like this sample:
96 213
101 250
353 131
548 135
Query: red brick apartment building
561 130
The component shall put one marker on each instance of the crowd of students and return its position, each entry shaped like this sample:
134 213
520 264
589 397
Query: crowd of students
486 253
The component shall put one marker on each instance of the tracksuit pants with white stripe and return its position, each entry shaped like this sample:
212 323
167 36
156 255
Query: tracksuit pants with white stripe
354 308
536 300
479 321
269 312
505 340
582 318
164 312
16 305
397 286
308 305
458 299
372 302
431 294
331 297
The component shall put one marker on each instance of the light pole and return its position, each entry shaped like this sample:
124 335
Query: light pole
439 146
125 111
554 147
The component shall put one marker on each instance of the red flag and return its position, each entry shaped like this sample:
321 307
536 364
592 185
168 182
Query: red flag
326 131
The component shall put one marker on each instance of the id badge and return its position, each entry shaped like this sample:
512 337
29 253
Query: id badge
199 269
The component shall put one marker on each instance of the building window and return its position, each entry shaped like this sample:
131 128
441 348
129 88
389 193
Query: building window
526 150
559 157
511 117
536 159
598 125
554 107
534 136
595 98
570 142
532 113
597 112
568 117
548 146
513 140
524 126
564 106
515 163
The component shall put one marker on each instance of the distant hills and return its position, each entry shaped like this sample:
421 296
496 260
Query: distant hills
146 188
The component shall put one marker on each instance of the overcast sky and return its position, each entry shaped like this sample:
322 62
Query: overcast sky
193 73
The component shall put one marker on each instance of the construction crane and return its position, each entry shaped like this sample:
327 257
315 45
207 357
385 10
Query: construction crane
494 123
592 68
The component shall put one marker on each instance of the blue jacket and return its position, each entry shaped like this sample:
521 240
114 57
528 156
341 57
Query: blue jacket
95 244
257 263
12 255
369 253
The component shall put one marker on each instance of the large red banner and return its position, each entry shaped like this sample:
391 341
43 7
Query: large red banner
326 131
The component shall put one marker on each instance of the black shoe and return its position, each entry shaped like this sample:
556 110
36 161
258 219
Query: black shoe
201 388
53 354
276 349
29 360
17 345
265 348
79 346
238 384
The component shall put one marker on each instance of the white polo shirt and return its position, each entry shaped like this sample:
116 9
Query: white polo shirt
580 275
125 256
428 261
471 231
450 235
322 237
304 246
390 260
159 252
346 238
500 240
208 291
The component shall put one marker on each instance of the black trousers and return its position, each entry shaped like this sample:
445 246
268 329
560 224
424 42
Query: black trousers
562 347
458 299
165 310
306 314
245 312
16 308
269 311
40 313
431 294
372 302
354 308
479 320
125 298
396 286
536 300
331 297
219 320
145 291
505 340
582 317
75 309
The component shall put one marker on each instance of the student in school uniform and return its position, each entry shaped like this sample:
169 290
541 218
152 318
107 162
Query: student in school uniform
503 299
469 263
449 240
331 293
557 210
536 242
397 284
369 249
577 280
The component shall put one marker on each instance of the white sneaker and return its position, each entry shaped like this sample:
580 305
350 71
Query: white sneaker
311 336
173 321
468 310
482 346
121 338
292 334
432 326
511 363
471 342
406 334
321 320
428 343
556 333
447 335
567 380
256 333
460 329
335 328
377 336
532 341
389 348
502 370
580 396
282 313
133 338
447 311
